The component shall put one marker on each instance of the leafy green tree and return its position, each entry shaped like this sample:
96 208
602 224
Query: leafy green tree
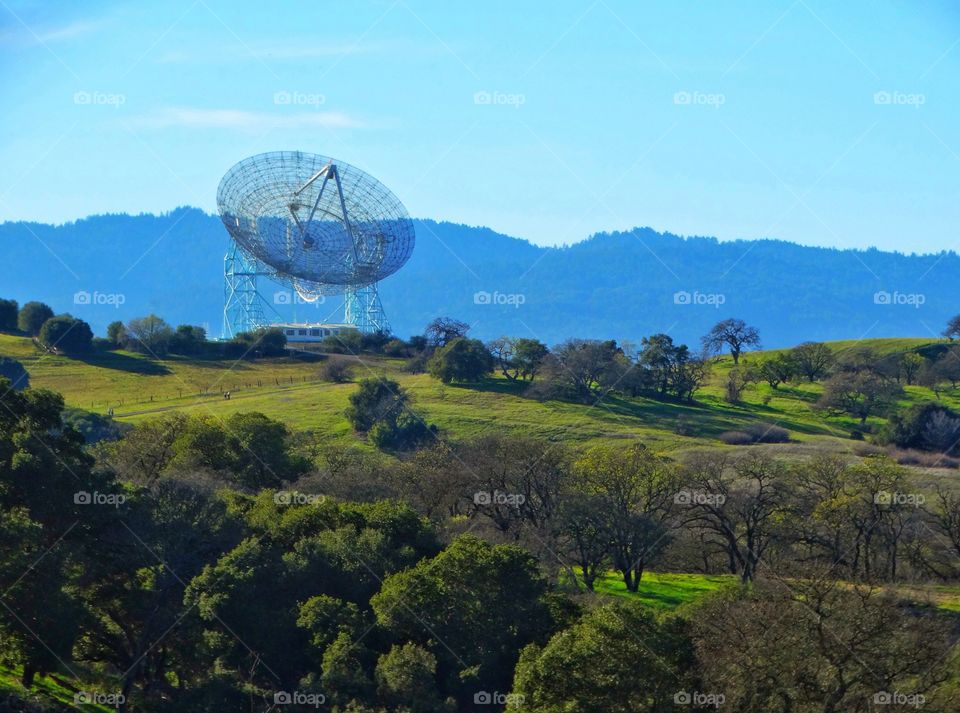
859 393
8 315
43 469
67 334
264 342
138 625
482 602
117 333
188 339
13 370
579 366
929 426
812 359
820 646
518 358
406 679
734 334
380 407
619 658
261 453
910 365
668 368
777 369
32 316
150 335
462 359
639 489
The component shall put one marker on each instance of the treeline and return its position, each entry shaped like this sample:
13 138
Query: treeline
208 565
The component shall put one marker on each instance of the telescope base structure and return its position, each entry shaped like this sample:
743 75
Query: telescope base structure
242 303
363 310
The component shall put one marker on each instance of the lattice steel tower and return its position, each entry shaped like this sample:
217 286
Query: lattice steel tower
242 303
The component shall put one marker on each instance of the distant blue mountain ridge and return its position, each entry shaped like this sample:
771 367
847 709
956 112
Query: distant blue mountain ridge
622 285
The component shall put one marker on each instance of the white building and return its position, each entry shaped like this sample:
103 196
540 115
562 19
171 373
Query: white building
311 331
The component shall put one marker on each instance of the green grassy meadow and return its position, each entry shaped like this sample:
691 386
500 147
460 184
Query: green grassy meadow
289 389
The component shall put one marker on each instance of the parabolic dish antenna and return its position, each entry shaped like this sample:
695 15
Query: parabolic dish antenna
317 224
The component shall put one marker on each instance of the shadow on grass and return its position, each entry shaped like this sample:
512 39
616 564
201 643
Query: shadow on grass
124 362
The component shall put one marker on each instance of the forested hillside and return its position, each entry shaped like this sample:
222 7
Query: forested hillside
621 285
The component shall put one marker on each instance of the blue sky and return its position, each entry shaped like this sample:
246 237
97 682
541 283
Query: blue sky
818 122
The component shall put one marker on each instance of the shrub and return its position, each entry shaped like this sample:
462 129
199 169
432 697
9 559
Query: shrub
66 334
337 370
13 370
756 433
461 360
930 426
767 433
736 438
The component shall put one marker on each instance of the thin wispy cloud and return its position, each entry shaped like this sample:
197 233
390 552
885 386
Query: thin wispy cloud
18 35
186 117
280 51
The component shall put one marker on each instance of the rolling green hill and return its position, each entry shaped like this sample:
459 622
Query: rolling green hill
290 390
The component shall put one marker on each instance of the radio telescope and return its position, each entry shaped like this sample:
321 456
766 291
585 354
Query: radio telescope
316 224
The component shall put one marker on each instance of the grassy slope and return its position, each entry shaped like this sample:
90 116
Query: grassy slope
287 389
46 693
